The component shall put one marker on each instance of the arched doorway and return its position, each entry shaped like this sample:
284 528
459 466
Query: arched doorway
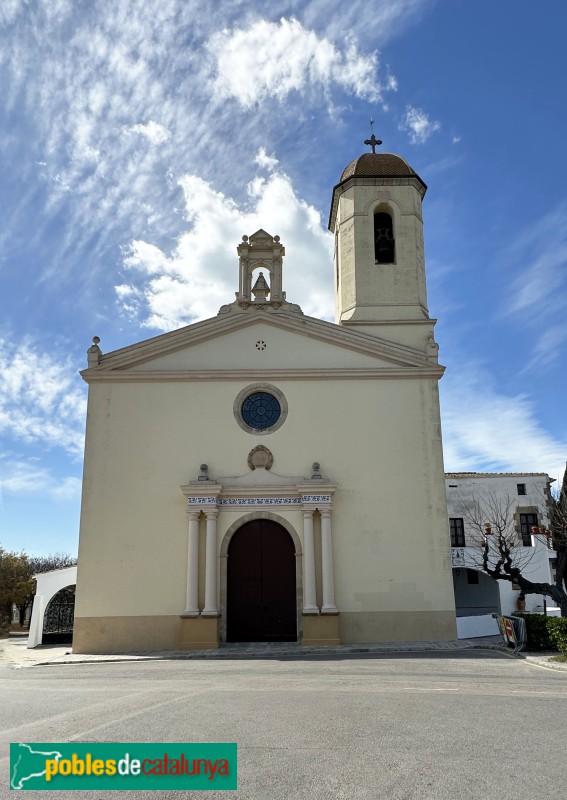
261 586
59 617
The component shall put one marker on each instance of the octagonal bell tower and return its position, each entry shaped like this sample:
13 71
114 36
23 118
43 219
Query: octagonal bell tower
379 261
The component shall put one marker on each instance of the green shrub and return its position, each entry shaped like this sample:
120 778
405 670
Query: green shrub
545 633
558 634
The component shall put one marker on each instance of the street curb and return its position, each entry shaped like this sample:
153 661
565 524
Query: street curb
291 654
255 655
536 661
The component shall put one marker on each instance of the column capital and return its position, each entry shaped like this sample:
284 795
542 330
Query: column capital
192 514
316 495
325 513
308 512
211 513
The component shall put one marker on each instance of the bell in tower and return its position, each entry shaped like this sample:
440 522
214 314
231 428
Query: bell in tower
383 238
264 252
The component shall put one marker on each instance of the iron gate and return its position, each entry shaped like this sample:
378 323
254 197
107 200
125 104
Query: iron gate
58 617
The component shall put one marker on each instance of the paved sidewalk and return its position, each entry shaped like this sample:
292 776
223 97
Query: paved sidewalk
13 651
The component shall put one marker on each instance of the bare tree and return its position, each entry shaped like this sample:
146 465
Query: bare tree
558 525
501 555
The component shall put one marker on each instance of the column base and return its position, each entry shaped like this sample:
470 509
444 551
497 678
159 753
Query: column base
320 630
199 633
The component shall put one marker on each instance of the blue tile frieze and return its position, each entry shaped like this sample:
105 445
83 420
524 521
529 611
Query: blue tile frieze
232 502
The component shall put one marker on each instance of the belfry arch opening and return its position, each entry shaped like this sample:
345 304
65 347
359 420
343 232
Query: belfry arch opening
384 243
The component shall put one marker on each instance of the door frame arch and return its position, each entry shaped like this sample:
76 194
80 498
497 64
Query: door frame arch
236 525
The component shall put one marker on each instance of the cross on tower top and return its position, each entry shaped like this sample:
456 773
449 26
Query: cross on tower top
373 141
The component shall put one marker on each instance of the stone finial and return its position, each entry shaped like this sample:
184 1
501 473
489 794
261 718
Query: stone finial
204 473
94 353
316 467
432 350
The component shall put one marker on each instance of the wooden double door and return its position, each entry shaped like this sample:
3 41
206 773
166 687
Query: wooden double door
261 585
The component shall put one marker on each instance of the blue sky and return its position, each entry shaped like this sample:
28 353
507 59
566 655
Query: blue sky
140 140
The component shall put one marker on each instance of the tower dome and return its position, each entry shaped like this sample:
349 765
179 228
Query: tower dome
384 168
377 165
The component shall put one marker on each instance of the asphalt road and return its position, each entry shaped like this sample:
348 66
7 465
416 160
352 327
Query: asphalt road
466 724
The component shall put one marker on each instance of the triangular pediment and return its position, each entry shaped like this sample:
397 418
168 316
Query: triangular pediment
265 342
260 236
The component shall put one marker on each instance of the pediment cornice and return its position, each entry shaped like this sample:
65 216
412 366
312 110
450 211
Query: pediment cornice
401 358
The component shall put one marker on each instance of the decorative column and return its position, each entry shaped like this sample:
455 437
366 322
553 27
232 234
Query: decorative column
211 609
192 602
309 599
329 606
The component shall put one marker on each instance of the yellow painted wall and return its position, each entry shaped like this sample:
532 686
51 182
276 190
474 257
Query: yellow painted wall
379 440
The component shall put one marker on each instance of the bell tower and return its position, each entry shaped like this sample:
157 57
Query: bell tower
378 251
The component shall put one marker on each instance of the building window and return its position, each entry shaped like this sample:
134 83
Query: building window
384 245
521 488
457 528
260 408
526 523
472 577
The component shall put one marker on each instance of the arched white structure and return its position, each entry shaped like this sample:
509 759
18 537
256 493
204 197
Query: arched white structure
48 584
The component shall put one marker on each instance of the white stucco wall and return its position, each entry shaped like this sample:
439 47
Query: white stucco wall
48 584
463 489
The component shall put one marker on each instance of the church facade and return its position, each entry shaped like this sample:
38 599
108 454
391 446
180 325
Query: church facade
267 476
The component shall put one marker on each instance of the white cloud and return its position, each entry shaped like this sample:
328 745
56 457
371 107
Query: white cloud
539 262
418 124
378 21
548 346
266 161
20 477
153 131
9 11
487 430
537 293
202 273
272 59
115 114
41 397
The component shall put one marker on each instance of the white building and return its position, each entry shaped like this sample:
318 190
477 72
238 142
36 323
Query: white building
264 544
48 590
477 596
